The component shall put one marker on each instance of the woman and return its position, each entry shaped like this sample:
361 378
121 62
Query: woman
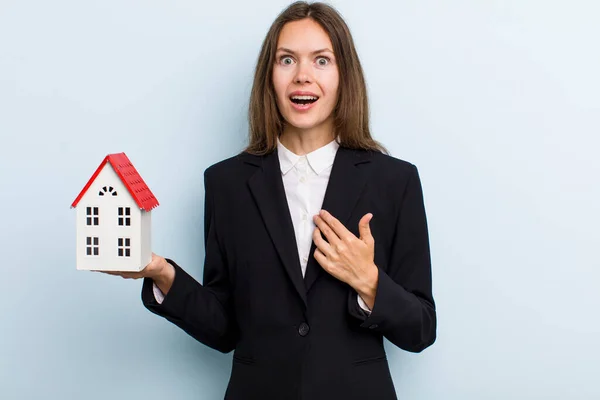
305 297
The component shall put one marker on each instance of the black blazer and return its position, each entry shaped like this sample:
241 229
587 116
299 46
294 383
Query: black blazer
308 338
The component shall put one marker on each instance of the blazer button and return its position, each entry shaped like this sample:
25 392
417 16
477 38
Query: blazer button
303 329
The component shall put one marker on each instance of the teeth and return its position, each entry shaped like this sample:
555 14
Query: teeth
304 97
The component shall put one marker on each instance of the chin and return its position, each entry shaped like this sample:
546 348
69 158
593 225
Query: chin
303 126
304 123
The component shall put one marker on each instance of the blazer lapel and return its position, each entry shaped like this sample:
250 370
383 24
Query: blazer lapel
346 183
267 188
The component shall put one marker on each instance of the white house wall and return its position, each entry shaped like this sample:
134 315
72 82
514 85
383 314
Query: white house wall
108 229
146 237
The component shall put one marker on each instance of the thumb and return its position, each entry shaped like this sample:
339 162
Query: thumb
364 229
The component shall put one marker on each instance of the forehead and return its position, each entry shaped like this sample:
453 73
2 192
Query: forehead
305 35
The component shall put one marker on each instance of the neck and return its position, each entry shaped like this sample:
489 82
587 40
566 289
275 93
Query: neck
303 141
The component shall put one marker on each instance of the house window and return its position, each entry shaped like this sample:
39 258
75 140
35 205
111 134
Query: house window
124 247
91 216
107 190
92 247
124 216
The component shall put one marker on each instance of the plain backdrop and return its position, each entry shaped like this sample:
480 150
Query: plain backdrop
496 102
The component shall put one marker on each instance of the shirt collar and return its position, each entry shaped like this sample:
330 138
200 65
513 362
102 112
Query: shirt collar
318 159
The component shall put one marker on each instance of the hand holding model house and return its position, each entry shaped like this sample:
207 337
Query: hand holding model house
114 224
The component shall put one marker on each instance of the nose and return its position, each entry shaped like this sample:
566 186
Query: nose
303 73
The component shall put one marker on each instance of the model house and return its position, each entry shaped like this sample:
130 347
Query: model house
113 218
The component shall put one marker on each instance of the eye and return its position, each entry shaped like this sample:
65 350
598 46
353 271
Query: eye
322 61
286 60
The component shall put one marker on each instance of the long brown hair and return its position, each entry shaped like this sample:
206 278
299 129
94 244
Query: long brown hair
351 114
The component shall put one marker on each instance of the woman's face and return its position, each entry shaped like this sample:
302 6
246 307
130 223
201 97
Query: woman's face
305 75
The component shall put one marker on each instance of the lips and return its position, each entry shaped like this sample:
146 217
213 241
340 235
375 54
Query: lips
302 101
303 98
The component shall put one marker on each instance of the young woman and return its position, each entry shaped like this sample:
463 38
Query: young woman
316 240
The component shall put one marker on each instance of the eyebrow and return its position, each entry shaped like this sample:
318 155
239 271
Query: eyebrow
283 49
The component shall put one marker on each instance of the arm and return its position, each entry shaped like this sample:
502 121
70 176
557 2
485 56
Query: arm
404 309
163 282
203 311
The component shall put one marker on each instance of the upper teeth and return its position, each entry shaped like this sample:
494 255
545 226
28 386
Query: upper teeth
304 97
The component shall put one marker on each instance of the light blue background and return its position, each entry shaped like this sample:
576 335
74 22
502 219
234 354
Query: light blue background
496 102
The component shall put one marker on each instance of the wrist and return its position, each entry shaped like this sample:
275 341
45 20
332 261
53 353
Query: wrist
165 275
367 286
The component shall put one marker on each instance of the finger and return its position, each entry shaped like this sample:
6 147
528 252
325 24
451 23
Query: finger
131 275
321 244
321 259
365 229
124 274
337 227
327 230
111 272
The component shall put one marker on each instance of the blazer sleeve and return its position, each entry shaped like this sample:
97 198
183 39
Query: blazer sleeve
203 311
404 309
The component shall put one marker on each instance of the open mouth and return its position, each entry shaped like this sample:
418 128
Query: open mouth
303 100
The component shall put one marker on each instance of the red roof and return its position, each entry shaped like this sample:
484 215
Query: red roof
132 180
